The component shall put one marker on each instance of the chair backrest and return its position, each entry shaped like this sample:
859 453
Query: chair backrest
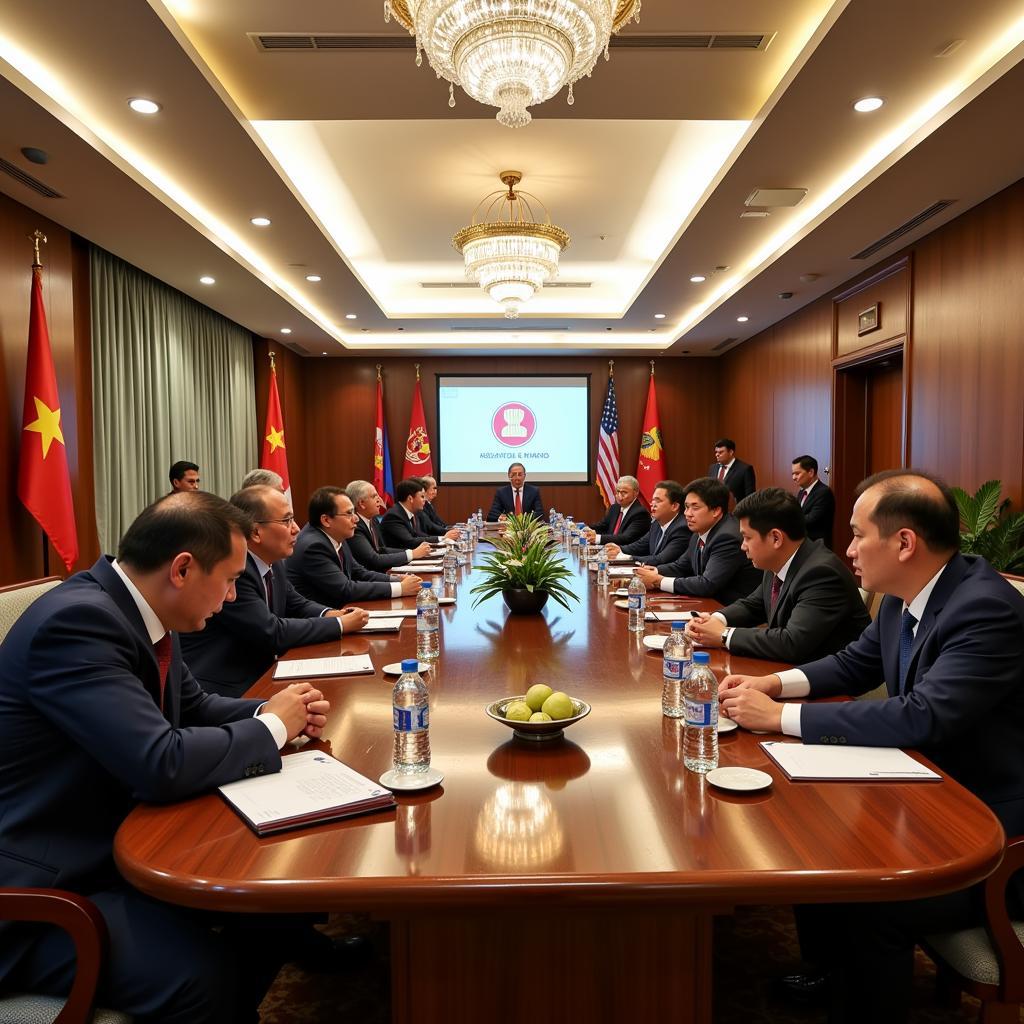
1014 581
872 601
16 598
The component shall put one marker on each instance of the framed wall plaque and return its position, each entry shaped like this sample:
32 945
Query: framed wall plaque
870 319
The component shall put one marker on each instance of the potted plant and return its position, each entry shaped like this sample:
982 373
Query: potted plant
524 568
987 528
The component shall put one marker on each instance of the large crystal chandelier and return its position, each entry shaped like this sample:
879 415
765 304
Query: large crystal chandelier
511 54
507 250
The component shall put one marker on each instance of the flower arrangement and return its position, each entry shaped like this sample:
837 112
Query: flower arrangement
525 559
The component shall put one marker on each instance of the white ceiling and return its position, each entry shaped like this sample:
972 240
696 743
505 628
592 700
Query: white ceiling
366 173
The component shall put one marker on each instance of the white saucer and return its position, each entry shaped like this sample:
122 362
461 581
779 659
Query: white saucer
656 641
446 600
620 592
404 783
742 780
724 724
623 603
395 668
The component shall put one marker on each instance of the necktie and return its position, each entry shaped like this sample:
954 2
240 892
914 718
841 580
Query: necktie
375 540
618 523
341 559
801 496
657 543
721 472
700 556
907 624
268 581
519 503
776 590
162 652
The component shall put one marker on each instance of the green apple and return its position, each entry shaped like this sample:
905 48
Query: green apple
540 716
518 711
536 695
558 706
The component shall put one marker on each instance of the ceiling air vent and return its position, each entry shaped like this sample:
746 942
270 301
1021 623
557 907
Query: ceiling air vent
473 284
513 328
27 180
903 229
722 345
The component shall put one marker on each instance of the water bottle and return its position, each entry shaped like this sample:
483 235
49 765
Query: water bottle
410 710
602 567
700 736
463 547
551 516
567 532
677 660
450 562
636 596
577 537
427 646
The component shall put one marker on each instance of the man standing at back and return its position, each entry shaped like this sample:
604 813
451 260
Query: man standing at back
184 476
97 713
516 496
736 474
815 498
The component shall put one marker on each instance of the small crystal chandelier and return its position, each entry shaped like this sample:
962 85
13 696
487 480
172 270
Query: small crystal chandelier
507 251
511 54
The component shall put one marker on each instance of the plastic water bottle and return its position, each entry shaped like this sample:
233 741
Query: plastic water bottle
602 567
700 736
578 536
567 533
410 709
462 544
450 562
677 661
636 596
427 645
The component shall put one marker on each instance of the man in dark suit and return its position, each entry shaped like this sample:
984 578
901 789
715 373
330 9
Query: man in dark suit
949 643
268 616
184 476
400 526
668 536
815 498
430 521
714 564
807 596
516 496
367 544
97 713
736 474
626 520
321 567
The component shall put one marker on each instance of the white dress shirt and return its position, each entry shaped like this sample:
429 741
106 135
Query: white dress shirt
668 582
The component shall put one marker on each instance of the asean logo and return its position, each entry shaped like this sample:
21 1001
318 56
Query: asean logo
513 424
417 448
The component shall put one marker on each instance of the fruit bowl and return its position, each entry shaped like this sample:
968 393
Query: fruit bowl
537 731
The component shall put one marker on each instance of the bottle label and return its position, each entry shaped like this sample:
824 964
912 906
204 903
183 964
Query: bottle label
636 602
411 719
673 668
700 712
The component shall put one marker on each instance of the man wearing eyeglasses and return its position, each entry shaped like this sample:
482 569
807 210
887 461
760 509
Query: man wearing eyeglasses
322 567
268 616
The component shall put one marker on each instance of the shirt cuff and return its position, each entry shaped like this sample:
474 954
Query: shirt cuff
274 725
396 589
341 625
668 584
794 684
719 615
791 720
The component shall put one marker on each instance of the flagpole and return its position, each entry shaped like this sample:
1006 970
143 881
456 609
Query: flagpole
37 236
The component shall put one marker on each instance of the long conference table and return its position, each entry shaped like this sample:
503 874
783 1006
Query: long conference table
576 879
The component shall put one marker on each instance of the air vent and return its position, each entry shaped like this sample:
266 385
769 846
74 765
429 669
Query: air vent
472 284
723 344
513 328
903 229
277 42
27 180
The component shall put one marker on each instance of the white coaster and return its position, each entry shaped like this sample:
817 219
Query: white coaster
724 724
408 781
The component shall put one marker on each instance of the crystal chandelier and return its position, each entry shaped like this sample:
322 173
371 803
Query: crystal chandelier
507 251
511 54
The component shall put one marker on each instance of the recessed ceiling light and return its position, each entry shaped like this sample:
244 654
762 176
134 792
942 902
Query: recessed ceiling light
143 106
313 279
698 279
351 316
742 319
206 279
286 330
659 316
867 104
260 222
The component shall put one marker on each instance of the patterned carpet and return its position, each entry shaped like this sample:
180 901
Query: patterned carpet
752 948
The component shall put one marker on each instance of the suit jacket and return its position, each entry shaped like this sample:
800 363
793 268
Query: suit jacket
431 522
820 513
635 524
722 570
963 705
653 550
245 637
370 551
739 479
819 610
315 571
83 739
399 531
504 502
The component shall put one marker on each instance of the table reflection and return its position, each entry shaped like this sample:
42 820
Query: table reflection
518 828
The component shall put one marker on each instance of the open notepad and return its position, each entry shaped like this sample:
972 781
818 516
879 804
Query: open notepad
309 668
849 764
311 787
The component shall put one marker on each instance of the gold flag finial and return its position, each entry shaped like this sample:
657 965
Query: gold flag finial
273 365
652 367
611 367
378 371
417 371
37 236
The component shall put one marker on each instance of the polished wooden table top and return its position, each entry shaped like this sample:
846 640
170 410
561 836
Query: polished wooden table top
609 814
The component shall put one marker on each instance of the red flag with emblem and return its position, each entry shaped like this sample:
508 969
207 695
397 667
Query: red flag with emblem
275 453
650 467
44 482
418 460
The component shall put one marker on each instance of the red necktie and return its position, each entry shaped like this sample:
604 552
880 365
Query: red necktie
269 581
801 497
721 472
519 503
776 588
618 523
162 652
373 536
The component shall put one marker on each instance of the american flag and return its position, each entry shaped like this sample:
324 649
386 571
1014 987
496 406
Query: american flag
608 446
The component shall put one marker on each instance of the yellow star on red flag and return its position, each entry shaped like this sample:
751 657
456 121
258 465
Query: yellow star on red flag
46 425
275 439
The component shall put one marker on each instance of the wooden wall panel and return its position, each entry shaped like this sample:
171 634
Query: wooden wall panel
891 290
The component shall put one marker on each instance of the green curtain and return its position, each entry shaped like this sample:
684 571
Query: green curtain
171 380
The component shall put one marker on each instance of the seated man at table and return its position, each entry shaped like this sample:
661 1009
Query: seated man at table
516 496
400 527
321 568
668 536
366 544
268 617
98 713
807 596
626 519
948 642
713 564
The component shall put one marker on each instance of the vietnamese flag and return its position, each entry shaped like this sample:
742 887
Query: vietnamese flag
650 468
44 483
275 455
418 460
